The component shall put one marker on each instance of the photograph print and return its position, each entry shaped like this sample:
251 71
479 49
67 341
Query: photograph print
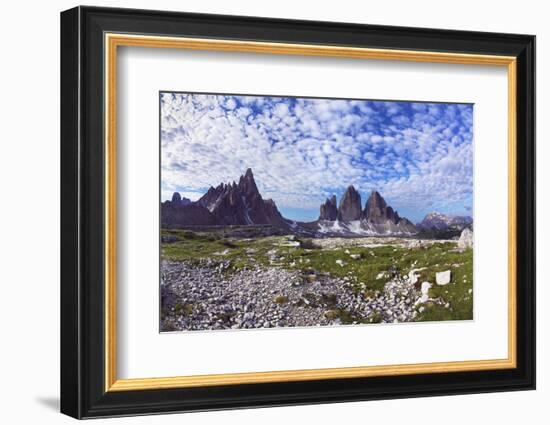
280 212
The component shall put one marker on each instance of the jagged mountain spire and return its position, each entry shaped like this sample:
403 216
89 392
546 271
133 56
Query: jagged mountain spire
241 203
376 210
247 184
329 210
350 205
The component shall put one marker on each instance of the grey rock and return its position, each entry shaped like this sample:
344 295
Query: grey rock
466 239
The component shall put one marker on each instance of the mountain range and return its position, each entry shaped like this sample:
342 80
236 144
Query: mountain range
242 204
438 221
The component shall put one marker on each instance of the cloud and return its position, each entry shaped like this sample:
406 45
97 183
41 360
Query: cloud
418 155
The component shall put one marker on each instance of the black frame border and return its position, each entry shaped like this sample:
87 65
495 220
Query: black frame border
82 205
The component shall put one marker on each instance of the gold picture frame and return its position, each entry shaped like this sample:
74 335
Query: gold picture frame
114 41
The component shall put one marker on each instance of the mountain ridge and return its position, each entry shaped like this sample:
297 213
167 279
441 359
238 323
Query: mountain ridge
241 203
226 204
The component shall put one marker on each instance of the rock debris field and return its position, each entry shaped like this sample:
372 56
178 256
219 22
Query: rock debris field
208 294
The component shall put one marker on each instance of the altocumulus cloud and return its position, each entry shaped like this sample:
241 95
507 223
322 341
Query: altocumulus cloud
418 155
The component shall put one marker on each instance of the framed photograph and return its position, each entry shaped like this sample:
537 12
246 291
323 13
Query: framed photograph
261 212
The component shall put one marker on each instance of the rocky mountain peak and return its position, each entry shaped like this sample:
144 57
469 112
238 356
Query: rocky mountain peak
329 210
375 201
241 203
247 184
350 205
377 211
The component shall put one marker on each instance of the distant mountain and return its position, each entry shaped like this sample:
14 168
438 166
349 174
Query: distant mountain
438 221
442 226
377 218
177 199
227 204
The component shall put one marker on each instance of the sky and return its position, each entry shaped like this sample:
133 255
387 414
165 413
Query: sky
419 156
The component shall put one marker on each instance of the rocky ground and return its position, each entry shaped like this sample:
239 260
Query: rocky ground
216 281
204 297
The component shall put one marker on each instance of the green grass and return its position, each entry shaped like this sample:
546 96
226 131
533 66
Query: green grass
347 318
456 294
281 299
361 273
194 246
183 309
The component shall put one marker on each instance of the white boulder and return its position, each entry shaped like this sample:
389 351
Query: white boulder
414 244
443 278
466 239
425 288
